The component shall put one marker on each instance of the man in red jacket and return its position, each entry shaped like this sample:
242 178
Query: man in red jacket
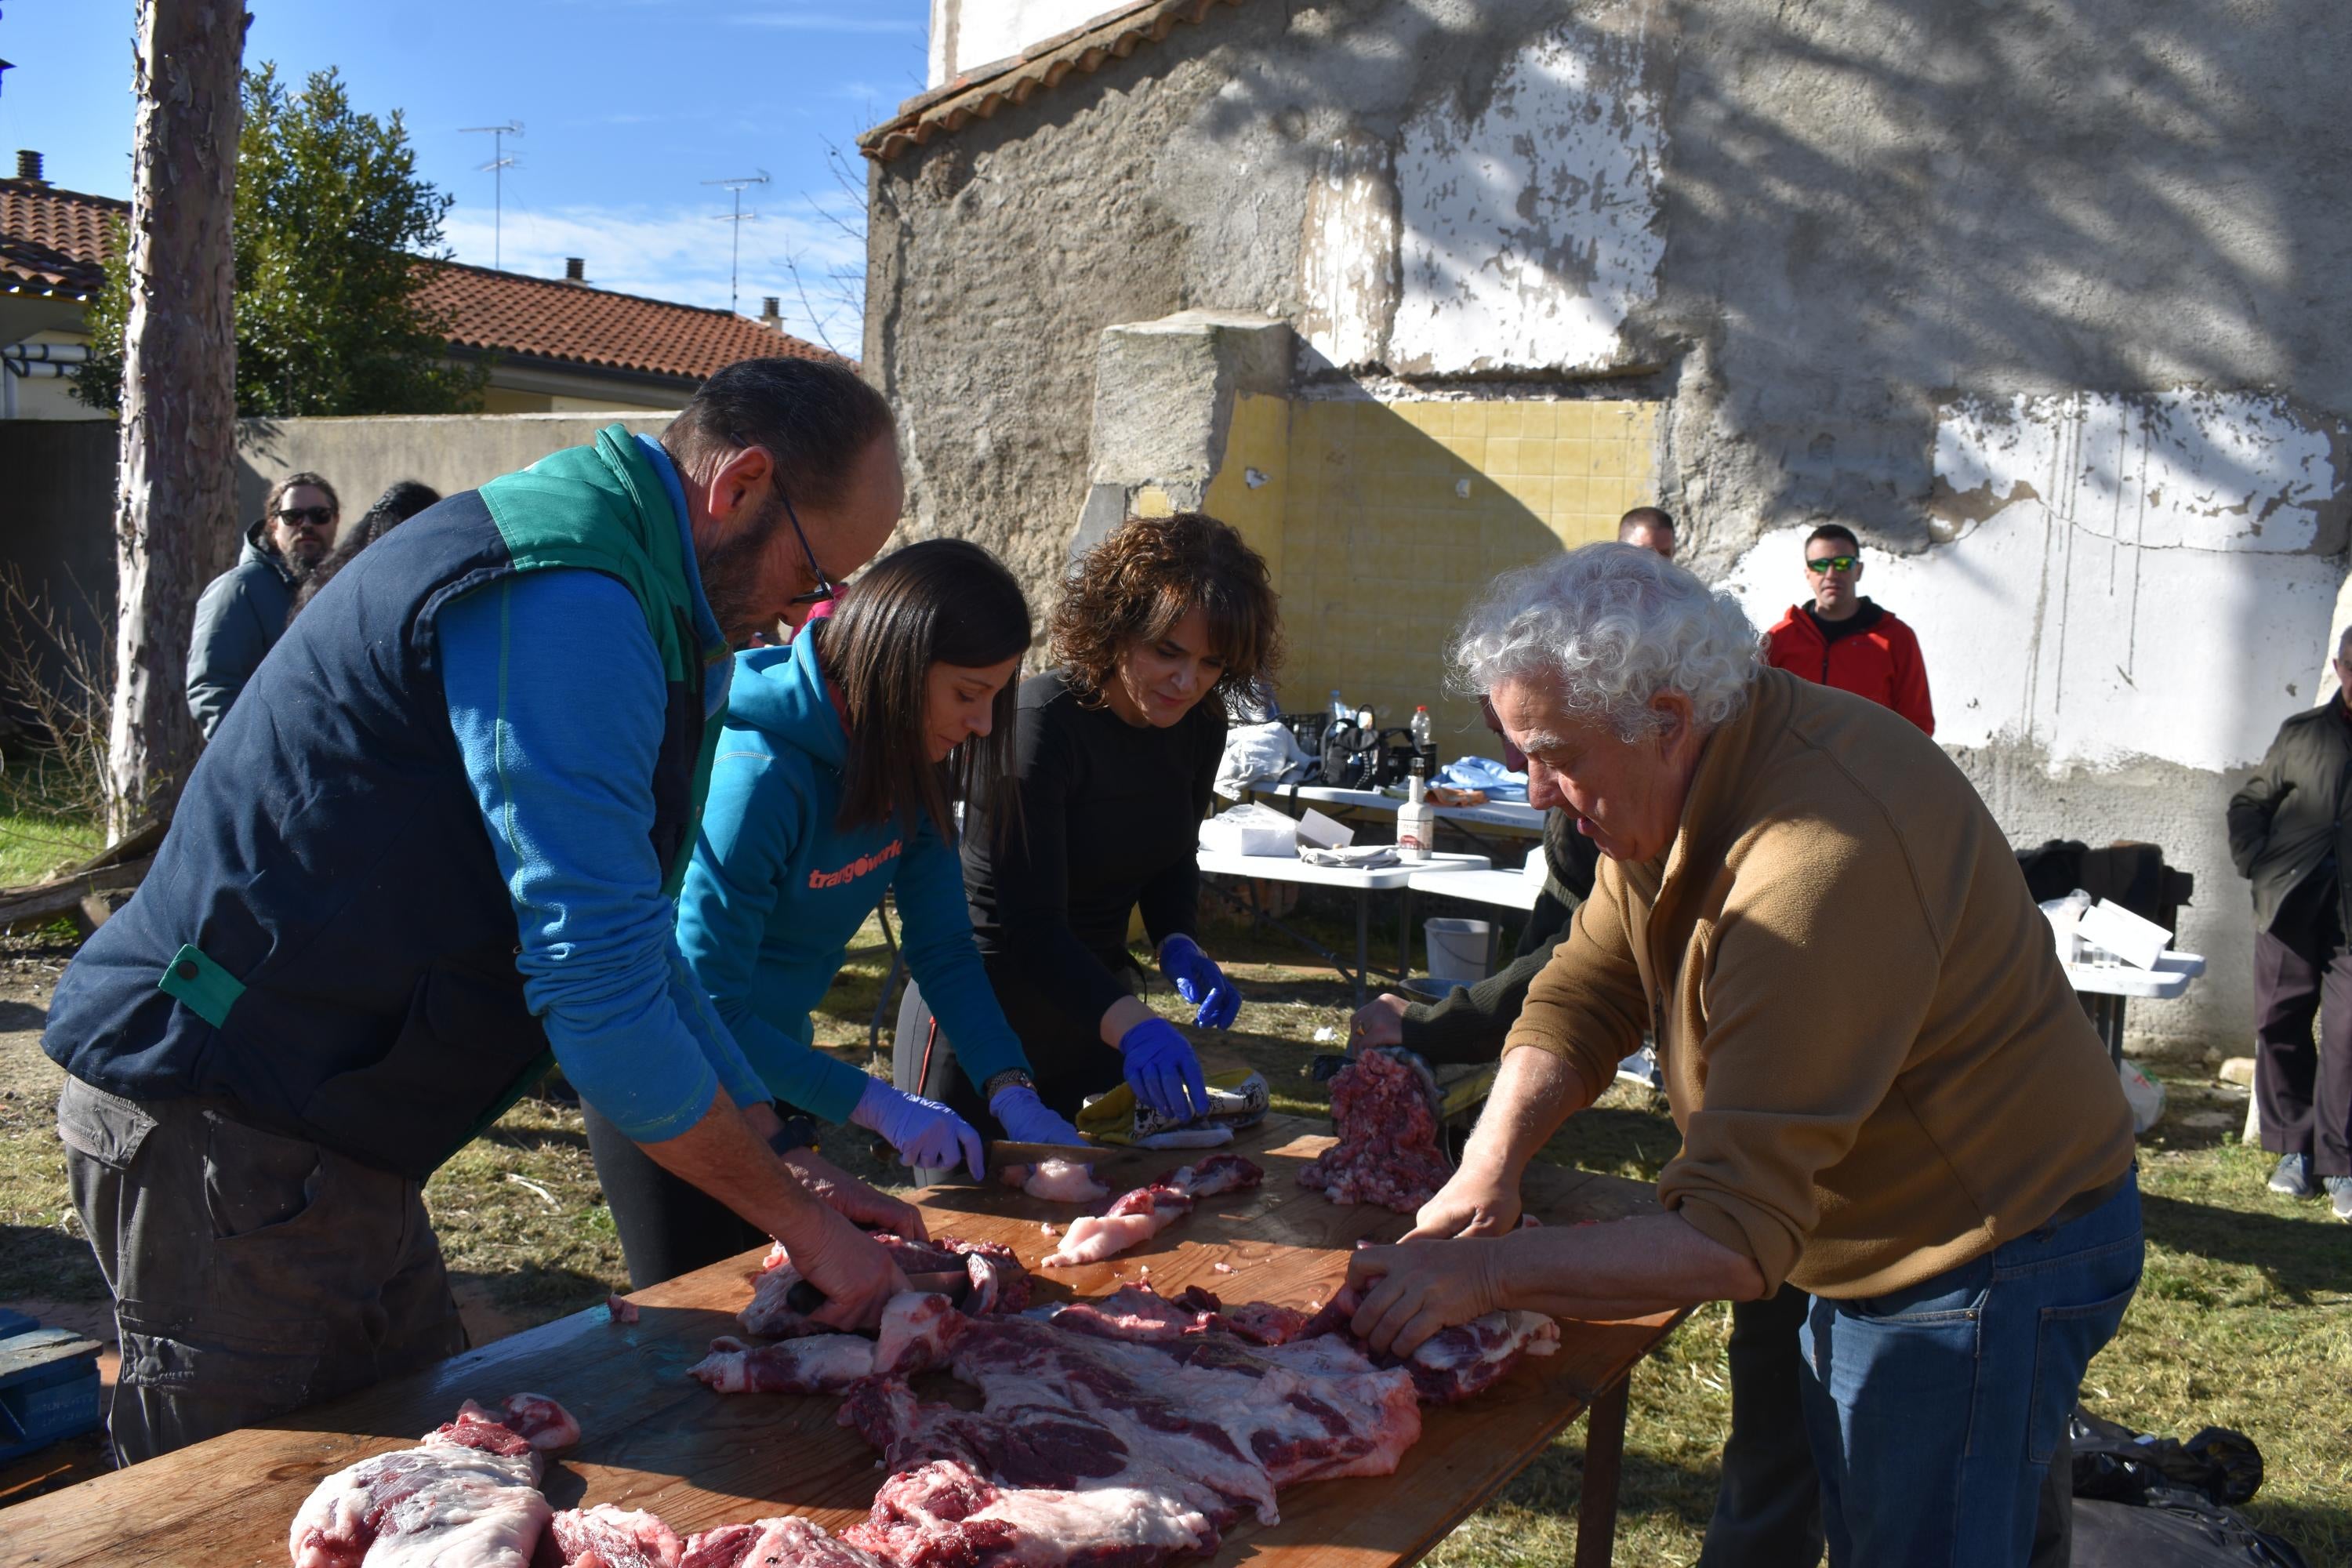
1842 640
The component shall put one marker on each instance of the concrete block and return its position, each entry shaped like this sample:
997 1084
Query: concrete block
2239 1070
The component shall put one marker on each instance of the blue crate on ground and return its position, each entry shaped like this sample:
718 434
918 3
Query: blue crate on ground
48 1384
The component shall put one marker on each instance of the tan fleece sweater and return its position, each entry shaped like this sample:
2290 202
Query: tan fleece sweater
1878 1067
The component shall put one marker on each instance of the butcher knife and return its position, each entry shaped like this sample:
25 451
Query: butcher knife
804 1297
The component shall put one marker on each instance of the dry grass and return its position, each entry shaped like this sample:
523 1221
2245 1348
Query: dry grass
2245 1318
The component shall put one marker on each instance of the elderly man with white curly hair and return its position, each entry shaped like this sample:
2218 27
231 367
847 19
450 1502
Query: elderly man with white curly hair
1887 1092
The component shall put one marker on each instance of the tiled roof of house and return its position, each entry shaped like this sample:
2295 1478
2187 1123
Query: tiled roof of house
53 241
573 322
978 93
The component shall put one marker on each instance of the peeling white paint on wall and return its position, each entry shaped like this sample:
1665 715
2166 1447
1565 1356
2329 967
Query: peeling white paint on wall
968 33
1531 232
1348 253
2151 576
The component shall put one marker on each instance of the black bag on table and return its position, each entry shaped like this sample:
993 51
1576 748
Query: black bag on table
1357 758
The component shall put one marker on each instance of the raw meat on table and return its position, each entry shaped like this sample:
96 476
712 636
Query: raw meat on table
1456 1363
773 1543
999 1282
1388 1153
465 1497
1141 1214
817 1363
608 1536
942 1515
1057 1181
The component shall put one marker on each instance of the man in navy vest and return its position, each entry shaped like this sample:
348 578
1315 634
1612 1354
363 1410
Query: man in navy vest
431 848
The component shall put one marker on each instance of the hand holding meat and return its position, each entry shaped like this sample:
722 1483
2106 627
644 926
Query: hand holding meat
1478 1201
927 1134
852 1199
1416 1288
855 1274
1027 1120
1379 1022
1163 1071
1200 982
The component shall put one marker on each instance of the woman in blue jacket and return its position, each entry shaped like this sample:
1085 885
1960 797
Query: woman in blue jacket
833 782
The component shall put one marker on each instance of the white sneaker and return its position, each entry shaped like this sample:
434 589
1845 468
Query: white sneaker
2292 1177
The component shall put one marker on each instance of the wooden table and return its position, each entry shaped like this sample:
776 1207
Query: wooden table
656 1439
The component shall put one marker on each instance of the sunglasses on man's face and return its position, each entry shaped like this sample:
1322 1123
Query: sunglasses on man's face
1833 564
316 516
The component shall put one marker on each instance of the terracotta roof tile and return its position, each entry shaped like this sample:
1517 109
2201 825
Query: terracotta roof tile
54 241
549 319
978 93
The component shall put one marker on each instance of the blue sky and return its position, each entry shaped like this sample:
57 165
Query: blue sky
627 106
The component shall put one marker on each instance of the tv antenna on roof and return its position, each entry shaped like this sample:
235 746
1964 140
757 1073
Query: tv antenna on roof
497 169
735 221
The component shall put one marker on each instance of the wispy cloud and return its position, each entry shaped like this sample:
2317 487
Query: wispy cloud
680 253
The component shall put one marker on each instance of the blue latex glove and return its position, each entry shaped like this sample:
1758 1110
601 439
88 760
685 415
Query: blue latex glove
1163 1071
1200 982
1027 1120
927 1134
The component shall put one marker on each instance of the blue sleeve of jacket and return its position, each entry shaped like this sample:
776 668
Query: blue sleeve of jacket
556 697
731 889
945 964
224 651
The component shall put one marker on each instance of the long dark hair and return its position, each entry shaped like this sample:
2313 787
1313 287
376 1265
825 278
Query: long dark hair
403 500
943 601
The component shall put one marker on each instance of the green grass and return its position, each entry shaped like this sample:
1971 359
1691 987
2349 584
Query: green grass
2244 1318
41 831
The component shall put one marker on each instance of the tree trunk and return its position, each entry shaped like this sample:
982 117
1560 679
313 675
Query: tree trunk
179 385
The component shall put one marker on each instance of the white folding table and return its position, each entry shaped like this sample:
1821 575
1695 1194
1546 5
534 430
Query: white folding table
1363 883
1517 817
2106 989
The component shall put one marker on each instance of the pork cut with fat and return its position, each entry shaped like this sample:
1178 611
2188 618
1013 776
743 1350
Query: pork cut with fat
1057 1181
1455 1364
774 1543
1388 1153
465 1497
609 1537
1138 1216
820 1363
1000 1283
942 1515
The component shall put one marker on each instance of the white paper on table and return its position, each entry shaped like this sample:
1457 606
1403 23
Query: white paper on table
1322 832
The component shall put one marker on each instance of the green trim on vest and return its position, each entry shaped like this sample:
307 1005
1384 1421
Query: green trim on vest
201 985
626 531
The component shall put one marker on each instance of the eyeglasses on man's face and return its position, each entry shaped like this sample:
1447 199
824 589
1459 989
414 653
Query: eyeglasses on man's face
1833 562
316 516
825 587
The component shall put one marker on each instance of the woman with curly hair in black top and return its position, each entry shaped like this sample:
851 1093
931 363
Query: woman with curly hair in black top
1158 626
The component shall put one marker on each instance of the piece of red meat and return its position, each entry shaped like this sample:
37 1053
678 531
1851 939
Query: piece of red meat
608 1536
817 1363
468 1492
1389 1153
1137 1217
1456 1363
999 1281
786 1542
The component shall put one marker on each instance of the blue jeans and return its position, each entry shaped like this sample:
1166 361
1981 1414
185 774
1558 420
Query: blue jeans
1934 1412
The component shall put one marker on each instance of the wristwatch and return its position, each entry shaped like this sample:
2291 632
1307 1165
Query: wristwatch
798 1132
1011 1078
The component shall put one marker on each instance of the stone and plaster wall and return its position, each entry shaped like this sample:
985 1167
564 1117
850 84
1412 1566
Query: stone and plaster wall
2037 298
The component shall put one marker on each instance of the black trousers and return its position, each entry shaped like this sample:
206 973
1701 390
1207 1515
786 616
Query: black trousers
1767 1507
668 1226
2301 974
1069 1066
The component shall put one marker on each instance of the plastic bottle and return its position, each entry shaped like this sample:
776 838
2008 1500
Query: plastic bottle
1340 712
1420 729
1416 829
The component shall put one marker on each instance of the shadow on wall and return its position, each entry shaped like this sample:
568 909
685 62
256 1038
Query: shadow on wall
1393 522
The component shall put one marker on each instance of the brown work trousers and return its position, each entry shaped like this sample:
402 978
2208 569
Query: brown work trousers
253 1273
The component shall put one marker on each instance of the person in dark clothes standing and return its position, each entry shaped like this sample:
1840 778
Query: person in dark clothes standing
242 613
400 501
1470 1024
1844 640
1117 748
2287 830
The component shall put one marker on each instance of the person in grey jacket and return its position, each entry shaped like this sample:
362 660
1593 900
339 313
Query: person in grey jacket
2287 835
243 611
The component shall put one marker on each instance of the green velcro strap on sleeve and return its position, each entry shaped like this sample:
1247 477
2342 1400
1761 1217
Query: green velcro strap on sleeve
208 990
